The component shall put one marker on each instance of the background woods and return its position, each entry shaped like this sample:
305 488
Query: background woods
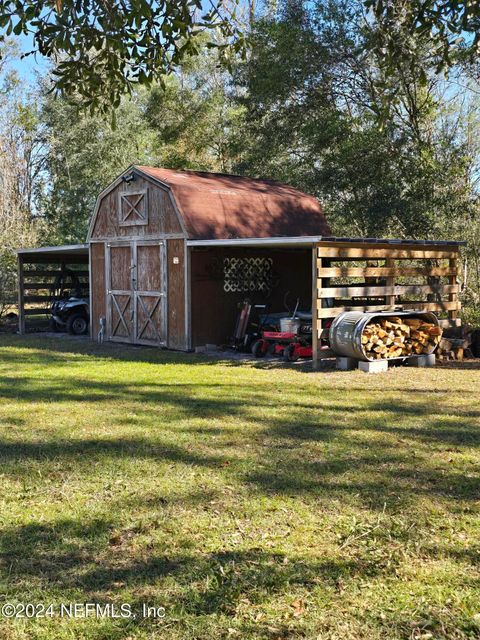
389 149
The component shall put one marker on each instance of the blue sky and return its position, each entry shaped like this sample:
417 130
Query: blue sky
29 66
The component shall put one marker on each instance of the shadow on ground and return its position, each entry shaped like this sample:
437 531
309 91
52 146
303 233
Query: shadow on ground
314 446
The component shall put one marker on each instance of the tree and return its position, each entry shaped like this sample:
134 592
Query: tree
187 122
313 94
451 29
20 166
102 49
83 155
194 116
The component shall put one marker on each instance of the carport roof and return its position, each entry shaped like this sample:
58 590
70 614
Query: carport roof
306 241
64 253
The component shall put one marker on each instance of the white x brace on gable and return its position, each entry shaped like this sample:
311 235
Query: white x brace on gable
133 208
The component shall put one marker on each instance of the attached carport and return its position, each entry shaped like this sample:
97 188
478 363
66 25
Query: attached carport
42 272
274 271
328 275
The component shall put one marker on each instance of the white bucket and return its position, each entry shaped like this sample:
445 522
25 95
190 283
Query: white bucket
290 325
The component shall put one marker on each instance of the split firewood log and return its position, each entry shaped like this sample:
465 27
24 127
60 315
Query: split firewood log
397 337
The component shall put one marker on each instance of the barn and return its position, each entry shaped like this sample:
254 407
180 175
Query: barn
171 254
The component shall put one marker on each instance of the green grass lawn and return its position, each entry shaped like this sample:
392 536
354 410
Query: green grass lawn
250 502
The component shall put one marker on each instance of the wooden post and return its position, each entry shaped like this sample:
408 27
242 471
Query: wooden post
21 297
390 282
316 322
453 297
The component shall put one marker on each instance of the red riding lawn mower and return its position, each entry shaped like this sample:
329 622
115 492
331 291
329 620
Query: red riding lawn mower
293 341
285 334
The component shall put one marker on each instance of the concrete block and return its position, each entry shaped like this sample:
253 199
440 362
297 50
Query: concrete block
376 366
346 364
200 349
422 361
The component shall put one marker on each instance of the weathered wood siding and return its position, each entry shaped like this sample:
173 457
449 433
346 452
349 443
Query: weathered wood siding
149 274
177 338
120 302
149 285
162 217
97 284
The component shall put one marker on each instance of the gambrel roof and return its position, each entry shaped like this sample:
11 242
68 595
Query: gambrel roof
220 206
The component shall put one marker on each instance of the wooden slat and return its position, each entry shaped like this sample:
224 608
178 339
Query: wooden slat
50 272
37 312
333 312
21 297
375 242
420 289
390 282
453 297
367 252
431 306
38 286
355 290
406 244
397 290
384 272
316 323
420 306
40 298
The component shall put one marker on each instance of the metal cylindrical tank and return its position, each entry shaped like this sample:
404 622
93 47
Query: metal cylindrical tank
346 330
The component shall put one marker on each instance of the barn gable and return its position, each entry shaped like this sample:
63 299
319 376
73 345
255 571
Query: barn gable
135 205
203 206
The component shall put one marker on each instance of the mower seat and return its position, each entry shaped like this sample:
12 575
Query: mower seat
304 315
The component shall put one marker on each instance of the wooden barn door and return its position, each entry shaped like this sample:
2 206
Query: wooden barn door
150 318
136 301
120 297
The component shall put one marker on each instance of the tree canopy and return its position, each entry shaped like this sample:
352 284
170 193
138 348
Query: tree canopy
306 106
102 49
450 28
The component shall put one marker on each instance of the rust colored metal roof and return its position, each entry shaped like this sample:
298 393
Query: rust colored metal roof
219 206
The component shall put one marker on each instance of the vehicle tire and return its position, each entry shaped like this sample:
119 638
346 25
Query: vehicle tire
257 349
77 324
289 353
54 326
272 349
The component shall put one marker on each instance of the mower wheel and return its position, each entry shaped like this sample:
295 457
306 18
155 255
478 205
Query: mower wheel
289 353
257 349
272 349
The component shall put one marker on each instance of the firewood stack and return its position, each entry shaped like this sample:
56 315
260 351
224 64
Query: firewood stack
396 337
453 349
457 343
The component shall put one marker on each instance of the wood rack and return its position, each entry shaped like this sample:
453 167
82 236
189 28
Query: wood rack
363 276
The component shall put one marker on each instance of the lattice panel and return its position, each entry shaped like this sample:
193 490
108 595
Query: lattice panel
242 275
